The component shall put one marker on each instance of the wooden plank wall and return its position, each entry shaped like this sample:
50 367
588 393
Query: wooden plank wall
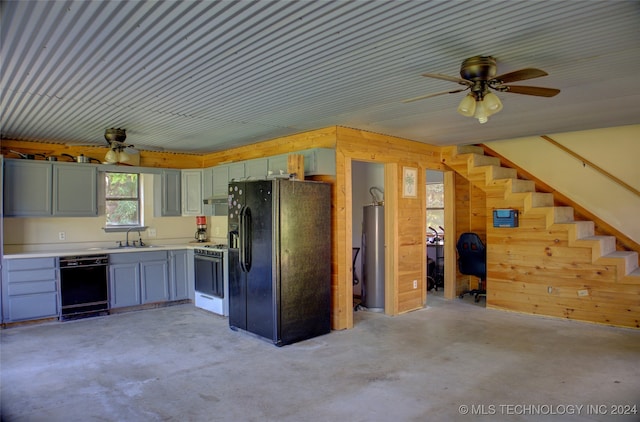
321 138
147 158
534 269
405 218
470 215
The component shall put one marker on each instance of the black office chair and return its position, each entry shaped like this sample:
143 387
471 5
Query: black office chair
472 260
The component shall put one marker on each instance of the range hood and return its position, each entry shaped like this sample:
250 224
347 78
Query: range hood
219 205
216 200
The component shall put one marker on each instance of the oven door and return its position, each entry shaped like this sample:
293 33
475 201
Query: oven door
209 275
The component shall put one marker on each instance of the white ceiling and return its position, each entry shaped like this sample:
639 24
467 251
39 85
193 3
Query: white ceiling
206 76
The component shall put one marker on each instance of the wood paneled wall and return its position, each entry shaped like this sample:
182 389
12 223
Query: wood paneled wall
405 219
470 216
147 158
321 138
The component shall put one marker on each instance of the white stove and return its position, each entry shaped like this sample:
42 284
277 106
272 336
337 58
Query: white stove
212 278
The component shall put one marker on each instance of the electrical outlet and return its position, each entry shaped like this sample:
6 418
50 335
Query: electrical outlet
151 233
415 284
62 236
583 292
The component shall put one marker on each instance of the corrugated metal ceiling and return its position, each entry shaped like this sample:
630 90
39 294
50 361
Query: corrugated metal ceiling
204 76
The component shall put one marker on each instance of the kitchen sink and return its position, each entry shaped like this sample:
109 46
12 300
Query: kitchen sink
127 247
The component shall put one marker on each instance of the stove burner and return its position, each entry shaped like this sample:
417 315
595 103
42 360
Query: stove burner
218 246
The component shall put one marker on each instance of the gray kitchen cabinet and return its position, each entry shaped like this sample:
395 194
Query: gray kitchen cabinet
75 190
44 189
236 172
27 188
138 277
221 180
191 192
279 164
124 284
319 161
154 280
207 190
29 289
167 192
256 169
179 275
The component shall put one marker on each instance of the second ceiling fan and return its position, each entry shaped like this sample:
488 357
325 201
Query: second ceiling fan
478 74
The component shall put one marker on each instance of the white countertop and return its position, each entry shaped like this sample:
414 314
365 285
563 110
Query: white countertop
80 251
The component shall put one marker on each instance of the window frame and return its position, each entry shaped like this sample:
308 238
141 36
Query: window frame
428 208
111 228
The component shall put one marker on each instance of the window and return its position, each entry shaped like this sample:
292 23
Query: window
435 207
122 200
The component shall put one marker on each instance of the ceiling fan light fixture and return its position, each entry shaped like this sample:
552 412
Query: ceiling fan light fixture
467 106
111 156
124 157
492 103
481 112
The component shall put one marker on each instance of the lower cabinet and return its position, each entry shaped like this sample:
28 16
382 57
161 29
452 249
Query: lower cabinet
179 279
29 289
137 278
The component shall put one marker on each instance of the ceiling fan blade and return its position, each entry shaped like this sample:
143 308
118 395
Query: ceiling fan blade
448 78
530 90
520 75
422 97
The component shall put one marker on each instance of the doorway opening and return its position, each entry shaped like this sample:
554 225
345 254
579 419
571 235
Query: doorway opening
435 235
368 245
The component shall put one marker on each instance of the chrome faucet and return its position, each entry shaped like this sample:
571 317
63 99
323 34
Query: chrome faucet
139 237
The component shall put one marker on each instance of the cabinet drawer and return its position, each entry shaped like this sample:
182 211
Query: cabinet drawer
32 287
31 275
132 257
33 306
30 263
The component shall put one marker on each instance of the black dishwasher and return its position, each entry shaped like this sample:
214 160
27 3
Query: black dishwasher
84 286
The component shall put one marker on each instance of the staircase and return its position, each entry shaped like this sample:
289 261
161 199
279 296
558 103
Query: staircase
551 264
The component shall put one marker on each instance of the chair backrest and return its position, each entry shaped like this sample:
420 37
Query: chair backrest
472 255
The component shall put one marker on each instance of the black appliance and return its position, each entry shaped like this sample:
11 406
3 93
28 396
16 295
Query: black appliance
280 259
209 272
84 286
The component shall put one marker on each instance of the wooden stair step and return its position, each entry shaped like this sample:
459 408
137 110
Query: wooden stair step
632 278
581 228
555 215
478 160
498 172
635 273
469 149
538 200
628 258
562 214
602 245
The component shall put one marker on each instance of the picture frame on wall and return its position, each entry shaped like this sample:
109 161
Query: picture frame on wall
409 182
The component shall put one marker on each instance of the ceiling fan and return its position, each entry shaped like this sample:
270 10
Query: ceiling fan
117 154
478 74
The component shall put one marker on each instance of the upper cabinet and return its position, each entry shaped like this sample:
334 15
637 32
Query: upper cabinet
44 189
319 161
192 192
167 193
220 181
255 169
75 190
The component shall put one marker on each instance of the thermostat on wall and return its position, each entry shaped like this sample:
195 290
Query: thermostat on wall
505 218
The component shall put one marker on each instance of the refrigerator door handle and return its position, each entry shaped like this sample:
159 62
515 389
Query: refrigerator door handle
245 239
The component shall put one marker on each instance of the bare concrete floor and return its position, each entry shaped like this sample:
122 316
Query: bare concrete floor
452 361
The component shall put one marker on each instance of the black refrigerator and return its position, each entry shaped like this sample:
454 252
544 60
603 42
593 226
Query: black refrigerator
280 259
